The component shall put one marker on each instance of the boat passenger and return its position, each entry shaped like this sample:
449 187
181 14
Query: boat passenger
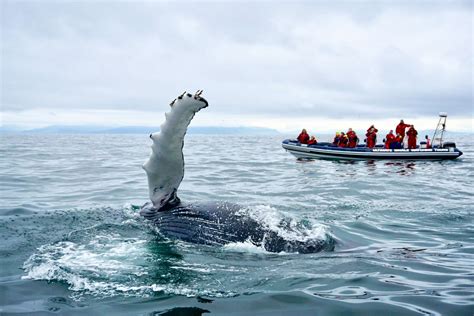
336 139
397 143
312 141
371 136
353 139
389 138
401 127
343 140
412 133
303 137
428 141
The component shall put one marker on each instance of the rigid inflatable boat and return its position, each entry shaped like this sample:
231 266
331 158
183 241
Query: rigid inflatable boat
329 151
439 151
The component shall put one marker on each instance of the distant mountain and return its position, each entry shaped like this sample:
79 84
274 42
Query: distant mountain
58 129
232 130
9 129
129 130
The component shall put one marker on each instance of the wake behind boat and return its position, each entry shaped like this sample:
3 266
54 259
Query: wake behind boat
424 151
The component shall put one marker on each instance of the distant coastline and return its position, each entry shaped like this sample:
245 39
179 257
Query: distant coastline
198 130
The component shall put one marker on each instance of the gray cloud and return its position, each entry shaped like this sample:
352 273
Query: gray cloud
265 58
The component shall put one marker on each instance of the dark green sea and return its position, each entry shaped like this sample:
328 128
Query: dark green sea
72 241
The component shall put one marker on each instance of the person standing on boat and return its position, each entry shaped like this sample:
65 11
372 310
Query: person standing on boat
412 133
303 137
353 139
401 127
389 139
312 141
371 136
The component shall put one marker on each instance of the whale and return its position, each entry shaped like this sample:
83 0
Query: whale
211 223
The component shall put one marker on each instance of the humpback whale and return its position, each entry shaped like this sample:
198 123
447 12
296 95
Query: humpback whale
216 223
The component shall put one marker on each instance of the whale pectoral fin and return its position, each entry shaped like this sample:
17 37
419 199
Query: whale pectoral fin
148 211
165 201
165 166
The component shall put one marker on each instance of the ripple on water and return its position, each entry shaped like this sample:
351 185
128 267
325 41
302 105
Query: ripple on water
123 258
404 229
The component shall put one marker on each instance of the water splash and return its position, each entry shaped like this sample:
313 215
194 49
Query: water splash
288 225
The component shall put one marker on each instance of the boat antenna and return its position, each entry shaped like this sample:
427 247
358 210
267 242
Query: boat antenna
440 129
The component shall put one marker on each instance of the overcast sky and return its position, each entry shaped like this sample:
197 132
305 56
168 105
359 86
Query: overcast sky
279 64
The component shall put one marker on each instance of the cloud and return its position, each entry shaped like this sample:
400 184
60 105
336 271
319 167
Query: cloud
252 59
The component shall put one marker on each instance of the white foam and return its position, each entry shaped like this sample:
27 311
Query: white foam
131 212
246 246
104 262
110 265
92 267
286 225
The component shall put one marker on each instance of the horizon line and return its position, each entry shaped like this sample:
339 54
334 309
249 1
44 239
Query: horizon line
135 129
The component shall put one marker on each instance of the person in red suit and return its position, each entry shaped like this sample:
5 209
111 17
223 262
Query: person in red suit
389 139
312 141
303 137
353 139
344 140
401 127
428 141
412 133
397 143
371 136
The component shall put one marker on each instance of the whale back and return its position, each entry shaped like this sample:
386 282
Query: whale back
165 166
221 223
216 223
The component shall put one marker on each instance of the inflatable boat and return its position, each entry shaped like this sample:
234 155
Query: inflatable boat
439 151
361 152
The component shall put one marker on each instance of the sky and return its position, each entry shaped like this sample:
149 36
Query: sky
322 65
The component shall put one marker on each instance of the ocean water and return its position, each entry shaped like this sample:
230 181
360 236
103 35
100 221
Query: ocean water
72 242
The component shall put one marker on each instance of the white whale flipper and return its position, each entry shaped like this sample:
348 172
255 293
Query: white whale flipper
165 167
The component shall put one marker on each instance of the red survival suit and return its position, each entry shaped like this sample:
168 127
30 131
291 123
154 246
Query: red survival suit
397 143
412 133
389 139
371 137
303 138
312 141
352 139
343 141
401 129
428 142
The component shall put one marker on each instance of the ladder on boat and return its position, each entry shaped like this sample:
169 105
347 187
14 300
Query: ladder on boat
440 129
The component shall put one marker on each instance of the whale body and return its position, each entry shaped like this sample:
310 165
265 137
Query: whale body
218 224
214 223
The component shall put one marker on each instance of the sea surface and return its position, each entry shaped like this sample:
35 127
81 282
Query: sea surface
72 241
